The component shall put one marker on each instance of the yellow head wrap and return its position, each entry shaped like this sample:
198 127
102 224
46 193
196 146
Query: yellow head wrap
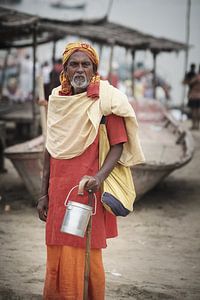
93 88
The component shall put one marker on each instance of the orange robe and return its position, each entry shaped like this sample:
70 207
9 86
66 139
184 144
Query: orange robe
66 252
65 274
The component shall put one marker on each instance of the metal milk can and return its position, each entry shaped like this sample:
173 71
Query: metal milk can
77 216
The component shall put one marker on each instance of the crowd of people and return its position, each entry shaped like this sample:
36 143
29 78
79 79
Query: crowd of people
18 83
145 84
18 86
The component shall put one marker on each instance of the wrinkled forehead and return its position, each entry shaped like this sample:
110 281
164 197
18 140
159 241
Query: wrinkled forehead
79 56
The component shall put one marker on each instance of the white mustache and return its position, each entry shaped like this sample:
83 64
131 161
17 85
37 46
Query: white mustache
76 76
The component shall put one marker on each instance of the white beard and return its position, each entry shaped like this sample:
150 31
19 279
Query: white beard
79 81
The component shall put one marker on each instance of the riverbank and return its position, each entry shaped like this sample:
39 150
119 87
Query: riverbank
156 255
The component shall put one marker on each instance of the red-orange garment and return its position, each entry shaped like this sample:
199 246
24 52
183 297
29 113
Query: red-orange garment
65 174
65 274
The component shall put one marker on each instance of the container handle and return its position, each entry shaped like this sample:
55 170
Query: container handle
95 199
65 203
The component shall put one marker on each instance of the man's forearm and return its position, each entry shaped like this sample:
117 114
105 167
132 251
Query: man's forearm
112 158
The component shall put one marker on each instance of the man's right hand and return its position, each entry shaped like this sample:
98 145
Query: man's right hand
42 207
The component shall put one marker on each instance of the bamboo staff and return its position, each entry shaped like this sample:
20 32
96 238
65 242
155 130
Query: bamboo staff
82 183
87 257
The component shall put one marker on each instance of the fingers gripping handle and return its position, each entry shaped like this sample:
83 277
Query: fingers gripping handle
82 184
80 187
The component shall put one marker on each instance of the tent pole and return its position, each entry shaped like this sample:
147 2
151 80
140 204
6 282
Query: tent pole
187 40
54 52
109 8
100 51
132 71
33 129
154 74
110 63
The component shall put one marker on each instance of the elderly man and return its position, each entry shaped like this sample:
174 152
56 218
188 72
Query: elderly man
75 111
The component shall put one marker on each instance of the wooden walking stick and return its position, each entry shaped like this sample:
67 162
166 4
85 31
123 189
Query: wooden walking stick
87 251
82 184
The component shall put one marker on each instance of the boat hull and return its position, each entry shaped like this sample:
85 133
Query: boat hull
29 167
146 179
27 159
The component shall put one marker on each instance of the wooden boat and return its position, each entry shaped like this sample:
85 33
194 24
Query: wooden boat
27 159
166 145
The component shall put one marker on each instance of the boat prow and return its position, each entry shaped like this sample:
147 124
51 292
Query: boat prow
27 159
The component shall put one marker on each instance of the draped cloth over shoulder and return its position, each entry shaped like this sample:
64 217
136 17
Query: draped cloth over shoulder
118 191
72 124
69 139
115 102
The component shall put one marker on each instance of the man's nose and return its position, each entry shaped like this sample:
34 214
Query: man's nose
80 68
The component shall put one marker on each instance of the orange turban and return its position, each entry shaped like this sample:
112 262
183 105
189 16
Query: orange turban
93 88
84 47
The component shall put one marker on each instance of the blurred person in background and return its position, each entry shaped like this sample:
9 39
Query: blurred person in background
194 99
55 74
12 92
26 75
190 74
45 72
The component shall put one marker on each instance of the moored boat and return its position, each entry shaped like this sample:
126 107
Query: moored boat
166 144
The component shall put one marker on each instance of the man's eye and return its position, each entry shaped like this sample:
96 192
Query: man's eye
73 64
86 64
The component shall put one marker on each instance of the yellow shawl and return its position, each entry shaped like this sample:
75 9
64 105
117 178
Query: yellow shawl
73 123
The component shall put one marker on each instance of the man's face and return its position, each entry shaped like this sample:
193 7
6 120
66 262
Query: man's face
79 70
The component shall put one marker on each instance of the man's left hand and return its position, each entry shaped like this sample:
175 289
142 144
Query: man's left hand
93 183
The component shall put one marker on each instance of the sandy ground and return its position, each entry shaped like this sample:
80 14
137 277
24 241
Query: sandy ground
157 254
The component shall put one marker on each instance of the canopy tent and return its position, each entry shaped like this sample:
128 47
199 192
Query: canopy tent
109 33
105 32
100 31
17 29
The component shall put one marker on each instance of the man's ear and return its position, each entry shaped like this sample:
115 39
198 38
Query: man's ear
65 67
94 68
